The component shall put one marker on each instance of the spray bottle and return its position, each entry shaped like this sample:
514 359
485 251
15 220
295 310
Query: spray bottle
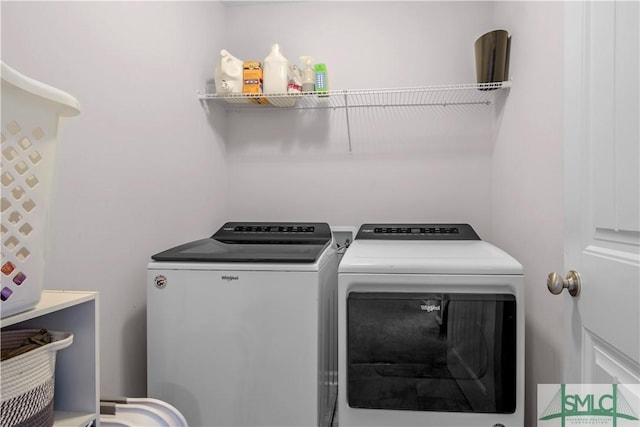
308 74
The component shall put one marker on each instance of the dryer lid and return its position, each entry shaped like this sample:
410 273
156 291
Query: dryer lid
261 242
424 248
457 257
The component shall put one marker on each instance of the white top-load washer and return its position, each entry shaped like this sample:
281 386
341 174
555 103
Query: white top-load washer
242 326
431 329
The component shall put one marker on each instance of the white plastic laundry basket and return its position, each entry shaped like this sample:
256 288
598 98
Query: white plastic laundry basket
30 116
135 412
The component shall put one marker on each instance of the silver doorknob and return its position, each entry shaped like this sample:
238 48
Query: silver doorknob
556 284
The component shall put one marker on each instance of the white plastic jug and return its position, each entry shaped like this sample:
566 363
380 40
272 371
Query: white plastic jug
228 74
276 70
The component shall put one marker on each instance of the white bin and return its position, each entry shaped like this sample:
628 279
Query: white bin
30 116
135 412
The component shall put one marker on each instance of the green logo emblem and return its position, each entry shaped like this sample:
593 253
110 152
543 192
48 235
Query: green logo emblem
597 403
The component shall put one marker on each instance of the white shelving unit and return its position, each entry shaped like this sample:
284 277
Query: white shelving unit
77 389
481 94
478 95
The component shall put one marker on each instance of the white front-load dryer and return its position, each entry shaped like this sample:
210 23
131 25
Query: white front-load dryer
431 329
242 326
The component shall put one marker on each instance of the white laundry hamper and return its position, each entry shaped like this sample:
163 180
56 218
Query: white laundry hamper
30 118
135 412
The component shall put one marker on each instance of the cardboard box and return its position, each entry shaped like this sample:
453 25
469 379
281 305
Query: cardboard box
252 86
252 65
251 76
252 81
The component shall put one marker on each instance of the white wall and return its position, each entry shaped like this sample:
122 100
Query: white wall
527 184
409 164
141 168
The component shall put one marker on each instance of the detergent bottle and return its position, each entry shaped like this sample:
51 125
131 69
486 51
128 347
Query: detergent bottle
322 79
276 72
228 77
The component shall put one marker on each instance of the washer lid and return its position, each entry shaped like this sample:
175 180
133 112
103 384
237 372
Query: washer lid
263 242
461 257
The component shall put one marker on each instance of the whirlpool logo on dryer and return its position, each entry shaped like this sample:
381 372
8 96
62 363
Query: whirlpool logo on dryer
425 306
229 278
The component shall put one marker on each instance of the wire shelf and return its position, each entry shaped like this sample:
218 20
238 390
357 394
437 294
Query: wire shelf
478 94
473 95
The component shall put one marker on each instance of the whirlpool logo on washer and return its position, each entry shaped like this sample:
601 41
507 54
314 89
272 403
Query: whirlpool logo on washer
160 281
229 278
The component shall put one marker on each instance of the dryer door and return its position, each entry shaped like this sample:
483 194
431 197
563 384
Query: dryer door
431 351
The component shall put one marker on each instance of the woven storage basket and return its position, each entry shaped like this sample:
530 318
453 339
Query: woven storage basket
27 381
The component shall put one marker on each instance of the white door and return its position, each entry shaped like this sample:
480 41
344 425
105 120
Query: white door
602 195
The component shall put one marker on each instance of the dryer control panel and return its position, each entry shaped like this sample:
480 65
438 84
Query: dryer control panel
417 232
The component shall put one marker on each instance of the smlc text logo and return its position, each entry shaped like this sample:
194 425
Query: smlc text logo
576 405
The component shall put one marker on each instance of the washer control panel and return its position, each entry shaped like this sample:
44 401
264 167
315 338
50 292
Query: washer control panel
300 233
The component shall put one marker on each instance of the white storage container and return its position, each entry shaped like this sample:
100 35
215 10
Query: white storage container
30 118
228 76
125 412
